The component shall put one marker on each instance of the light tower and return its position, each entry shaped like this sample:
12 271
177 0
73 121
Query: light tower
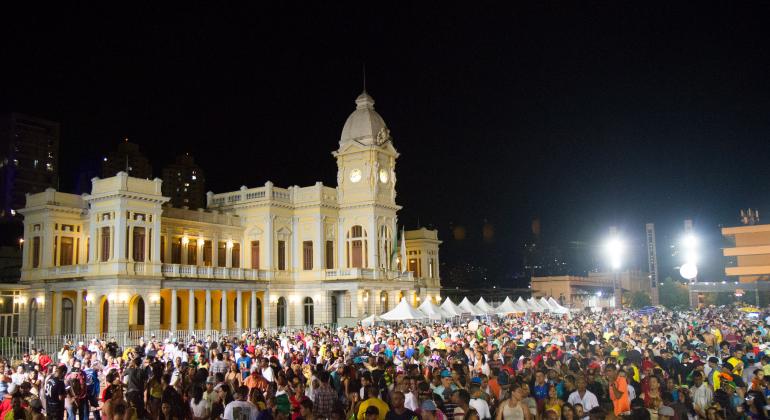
652 263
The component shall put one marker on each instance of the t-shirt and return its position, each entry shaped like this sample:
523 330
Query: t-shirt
406 415
244 365
240 410
202 409
54 389
621 404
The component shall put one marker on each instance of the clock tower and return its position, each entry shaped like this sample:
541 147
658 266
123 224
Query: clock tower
366 159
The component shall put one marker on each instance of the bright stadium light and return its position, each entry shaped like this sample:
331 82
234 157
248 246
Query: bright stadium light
614 248
689 268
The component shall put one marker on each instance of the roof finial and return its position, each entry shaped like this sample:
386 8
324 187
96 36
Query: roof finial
363 70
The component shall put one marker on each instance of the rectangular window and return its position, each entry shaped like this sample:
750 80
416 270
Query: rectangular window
307 255
282 255
192 253
222 254
67 243
207 253
36 252
138 251
236 255
255 254
413 267
176 251
105 254
162 249
329 254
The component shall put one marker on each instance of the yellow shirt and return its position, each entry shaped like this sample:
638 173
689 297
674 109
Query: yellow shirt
376 402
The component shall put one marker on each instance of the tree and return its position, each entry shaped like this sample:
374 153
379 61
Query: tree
640 299
673 294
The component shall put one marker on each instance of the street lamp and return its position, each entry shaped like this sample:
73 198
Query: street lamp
689 268
614 248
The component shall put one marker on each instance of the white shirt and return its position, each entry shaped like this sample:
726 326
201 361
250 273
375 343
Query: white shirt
588 401
702 396
268 374
202 409
411 402
481 407
240 410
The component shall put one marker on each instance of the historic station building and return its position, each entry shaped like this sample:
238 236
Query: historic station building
121 259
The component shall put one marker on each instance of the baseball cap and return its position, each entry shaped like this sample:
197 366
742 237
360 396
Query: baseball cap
428 405
211 380
446 374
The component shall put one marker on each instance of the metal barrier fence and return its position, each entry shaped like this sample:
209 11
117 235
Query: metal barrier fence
13 348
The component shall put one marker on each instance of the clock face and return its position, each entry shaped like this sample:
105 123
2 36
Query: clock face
383 175
355 175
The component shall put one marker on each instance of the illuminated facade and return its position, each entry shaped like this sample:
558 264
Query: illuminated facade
121 259
595 290
750 253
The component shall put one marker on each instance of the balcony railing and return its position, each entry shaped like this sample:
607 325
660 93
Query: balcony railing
367 274
224 273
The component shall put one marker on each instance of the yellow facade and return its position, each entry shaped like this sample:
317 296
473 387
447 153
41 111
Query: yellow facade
121 259
751 251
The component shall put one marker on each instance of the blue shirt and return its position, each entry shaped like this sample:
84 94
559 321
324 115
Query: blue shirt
244 365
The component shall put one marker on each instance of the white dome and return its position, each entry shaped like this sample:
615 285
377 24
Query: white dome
364 123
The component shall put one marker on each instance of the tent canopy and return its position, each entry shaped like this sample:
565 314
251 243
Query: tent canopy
530 305
558 308
432 310
469 307
509 307
484 306
451 309
370 320
403 312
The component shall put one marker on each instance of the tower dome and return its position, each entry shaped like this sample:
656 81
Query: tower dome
364 124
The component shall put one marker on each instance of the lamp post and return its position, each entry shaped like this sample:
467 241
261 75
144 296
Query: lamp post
614 248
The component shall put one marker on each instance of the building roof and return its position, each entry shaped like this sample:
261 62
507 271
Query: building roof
364 123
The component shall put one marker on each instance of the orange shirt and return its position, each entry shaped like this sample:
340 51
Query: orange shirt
622 404
495 388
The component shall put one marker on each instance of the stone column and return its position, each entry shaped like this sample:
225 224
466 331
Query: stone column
229 253
93 241
223 310
167 246
46 251
56 312
295 244
215 251
320 248
147 233
208 310
354 300
341 244
183 256
78 311
374 243
266 305
156 234
268 240
119 237
191 310
174 320
199 252
239 310
151 313
93 313
131 242
393 299
253 310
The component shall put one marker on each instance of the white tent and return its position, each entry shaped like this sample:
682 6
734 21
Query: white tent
432 310
451 309
557 306
370 320
529 304
469 307
403 312
534 302
484 306
545 304
509 307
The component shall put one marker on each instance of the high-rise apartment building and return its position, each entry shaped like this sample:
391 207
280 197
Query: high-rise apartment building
184 182
29 159
129 159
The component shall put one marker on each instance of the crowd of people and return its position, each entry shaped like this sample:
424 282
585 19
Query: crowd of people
707 364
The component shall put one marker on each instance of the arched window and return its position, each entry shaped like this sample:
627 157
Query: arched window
357 247
384 301
281 315
139 311
105 316
259 312
308 311
32 328
67 316
162 310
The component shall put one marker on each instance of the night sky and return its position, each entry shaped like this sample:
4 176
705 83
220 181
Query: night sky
584 115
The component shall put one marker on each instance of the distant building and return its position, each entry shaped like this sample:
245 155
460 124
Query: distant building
595 290
750 253
29 159
127 158
184 182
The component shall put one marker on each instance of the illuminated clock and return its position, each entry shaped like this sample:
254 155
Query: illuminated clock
355 175
384 176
